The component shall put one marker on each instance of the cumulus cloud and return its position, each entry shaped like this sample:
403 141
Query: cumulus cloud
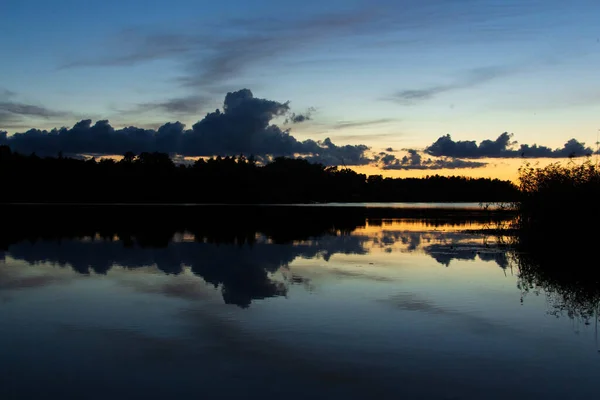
299 118
414 161
327 153
503 147
243 126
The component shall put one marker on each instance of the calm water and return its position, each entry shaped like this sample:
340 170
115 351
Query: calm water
397 205
386 309
409 205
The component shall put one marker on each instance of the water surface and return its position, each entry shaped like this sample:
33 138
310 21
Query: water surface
376 308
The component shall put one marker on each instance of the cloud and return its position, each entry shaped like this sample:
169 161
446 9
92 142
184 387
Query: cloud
9 120
502 147
295 119
214 52
299 118
5 93
16 108
13 113
209 55
473 77
367 136
134 46
242 44
413 160
359 124
327 153
243 126
187 105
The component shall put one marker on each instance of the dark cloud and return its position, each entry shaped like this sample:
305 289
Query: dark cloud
299 118
243 126
413 160
389 149
327 153
295 119
472 78
502 147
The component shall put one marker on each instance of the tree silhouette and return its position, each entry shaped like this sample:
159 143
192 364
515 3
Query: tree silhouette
155 178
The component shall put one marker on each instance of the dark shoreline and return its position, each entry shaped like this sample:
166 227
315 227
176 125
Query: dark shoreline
283 223
261 210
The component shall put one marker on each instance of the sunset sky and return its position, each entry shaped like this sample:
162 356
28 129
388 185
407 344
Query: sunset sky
383 77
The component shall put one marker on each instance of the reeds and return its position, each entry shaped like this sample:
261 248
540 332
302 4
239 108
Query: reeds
559 201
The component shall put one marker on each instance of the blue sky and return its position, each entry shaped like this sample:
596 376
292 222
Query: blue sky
385 74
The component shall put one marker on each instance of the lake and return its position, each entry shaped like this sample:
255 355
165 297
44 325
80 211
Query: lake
294 303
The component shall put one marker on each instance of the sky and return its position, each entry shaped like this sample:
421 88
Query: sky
400 88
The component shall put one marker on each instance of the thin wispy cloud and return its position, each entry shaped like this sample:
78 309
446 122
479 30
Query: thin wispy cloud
472 78
211 53
30 110
182 106
5 93
361 124
134 46
15 113
366 136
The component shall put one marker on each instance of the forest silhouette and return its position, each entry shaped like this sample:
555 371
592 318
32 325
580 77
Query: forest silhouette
156 178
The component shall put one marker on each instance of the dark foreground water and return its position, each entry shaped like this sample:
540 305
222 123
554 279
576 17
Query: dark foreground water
369 307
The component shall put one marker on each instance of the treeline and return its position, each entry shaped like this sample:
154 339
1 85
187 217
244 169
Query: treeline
156 178
560 197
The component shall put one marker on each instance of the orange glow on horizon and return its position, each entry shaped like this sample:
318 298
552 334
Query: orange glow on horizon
504 169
